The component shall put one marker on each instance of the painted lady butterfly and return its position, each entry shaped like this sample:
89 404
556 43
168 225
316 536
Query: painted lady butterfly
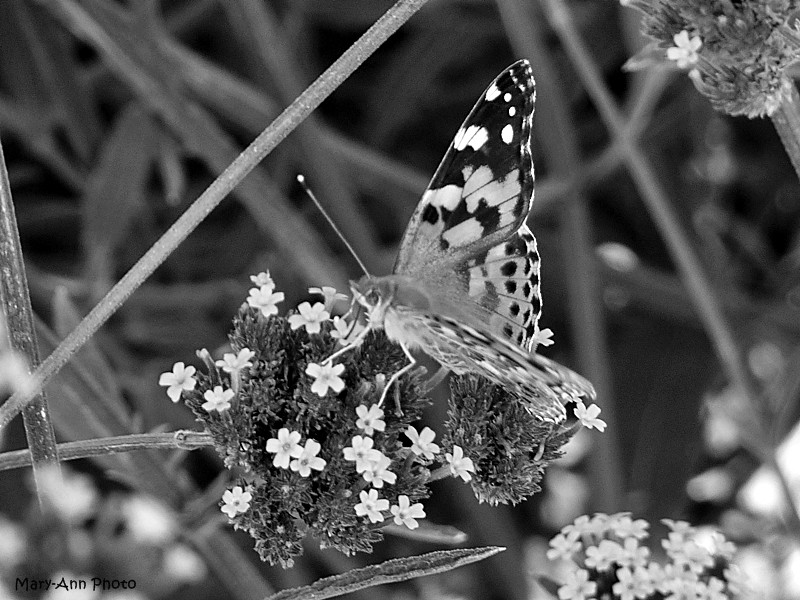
465 287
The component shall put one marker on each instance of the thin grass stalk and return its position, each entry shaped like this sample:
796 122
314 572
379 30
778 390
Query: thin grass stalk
16 301
585 302
176 440
284 124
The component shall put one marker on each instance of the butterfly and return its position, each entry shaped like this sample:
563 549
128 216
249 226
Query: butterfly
465 287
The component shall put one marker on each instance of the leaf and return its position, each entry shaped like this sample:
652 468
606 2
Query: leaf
429 532
391 571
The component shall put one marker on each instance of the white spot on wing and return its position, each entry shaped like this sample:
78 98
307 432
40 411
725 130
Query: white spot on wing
458 141
477 180
507 96
473 136
464 233
492 93
447 197
476 286
507 135
495 191
479 139
512 110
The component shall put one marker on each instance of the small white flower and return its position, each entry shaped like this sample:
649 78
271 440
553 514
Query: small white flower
684 52
602 556
362 452
633 555
578 587
370 419
422 443
218 399
236 501
325 376
632 584
371 506
233 363
265 299
624 527
588 416
345 331
460 465
310 317
308 459
179 379
148 521
285 447
330 295
263 279
377 472
543 337
563 546
406 513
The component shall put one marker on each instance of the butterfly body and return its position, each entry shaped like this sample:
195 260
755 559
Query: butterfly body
465 286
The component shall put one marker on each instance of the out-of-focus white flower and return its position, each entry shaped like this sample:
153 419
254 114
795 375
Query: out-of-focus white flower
148 521
72 496
183 564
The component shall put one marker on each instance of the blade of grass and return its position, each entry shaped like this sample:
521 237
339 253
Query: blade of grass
19 316
390 571
233 174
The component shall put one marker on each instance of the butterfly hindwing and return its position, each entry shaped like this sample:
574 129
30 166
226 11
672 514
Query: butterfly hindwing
482 191
505 281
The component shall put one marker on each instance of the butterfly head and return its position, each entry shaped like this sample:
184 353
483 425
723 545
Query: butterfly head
379 295
375 295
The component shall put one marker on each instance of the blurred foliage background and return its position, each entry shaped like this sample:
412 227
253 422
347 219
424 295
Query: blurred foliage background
109 136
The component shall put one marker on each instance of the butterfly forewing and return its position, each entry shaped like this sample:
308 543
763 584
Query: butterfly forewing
481 193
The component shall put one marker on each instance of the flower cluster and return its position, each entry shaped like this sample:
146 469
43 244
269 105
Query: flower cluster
738 53
604 557
513 447
299 416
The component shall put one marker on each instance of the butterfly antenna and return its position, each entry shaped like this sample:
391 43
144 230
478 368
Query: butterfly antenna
302 181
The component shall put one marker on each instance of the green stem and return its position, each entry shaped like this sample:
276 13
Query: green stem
284 124
787 123
177 440
19 315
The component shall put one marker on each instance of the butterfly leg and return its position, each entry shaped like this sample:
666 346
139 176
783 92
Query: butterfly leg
437 378
411 364
354 344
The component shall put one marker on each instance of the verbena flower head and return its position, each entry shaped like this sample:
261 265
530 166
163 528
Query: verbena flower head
318 453
605 558
508 446
738 52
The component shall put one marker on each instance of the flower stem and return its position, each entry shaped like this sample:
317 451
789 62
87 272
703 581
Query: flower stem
17 308
284 124
787 123
180 440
